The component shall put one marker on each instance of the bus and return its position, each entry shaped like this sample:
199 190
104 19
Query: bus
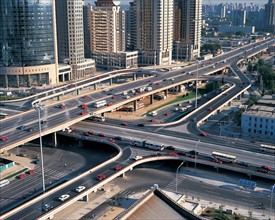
100 104
267 148
223 157
148 145
3 115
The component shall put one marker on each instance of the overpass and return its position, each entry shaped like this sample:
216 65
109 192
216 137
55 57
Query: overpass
60 119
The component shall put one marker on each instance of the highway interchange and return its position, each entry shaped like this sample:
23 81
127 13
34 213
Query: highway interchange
56 116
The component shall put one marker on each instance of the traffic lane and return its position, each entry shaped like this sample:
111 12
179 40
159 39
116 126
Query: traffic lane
177 141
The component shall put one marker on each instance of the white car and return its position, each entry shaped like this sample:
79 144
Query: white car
80 189
138 157
64 197
153 113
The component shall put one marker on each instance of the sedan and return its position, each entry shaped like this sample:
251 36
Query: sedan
124 123
63 197
80 189
102 135
111 140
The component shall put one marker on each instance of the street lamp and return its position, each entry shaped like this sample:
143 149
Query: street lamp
39 106
196 103
177 175
196 153
271 197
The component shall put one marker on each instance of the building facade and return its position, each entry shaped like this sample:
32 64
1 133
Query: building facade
152 23
28 42
270 15
187 29
70 37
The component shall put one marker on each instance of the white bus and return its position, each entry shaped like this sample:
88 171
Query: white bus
153 146
137 143
223 157
267 148
100 104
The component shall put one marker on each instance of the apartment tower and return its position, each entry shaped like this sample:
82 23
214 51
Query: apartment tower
187 25
270 15
152 23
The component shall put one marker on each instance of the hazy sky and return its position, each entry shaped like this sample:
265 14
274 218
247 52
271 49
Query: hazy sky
210 1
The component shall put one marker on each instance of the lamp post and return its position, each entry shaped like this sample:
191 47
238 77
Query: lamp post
39 106
196 153
196 103
177 175
271 198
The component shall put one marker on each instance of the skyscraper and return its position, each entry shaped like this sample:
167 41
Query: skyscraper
187 25
270 15
27 40
152 21
239 17
70 37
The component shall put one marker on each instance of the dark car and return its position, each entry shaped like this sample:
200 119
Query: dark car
118 138
140 125
170 148
182 153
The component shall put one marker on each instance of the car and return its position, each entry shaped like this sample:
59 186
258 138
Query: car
85 97
22 127
127 97
117 168
36 161
203 134
141 125
170 148
4 138
138 157
47 207
30 129
91 132
83 113
193 153
124 123
111 140
62 106
80 189
266 167
100 177
22 176
64 197
118 138
217 161
173 154
114 97
263 170
182 153
102 135
245 164
109 104
167 114
153 113
22 155
43 122
210 109
31 171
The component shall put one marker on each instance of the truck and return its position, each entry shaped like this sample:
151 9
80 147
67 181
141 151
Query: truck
148 145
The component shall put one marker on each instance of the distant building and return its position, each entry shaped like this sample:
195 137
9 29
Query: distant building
238 17
259 120
28 54
270 15
234 29
70 38
187 29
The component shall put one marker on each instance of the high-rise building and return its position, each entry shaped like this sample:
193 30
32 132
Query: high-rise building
270 15
187 33
70 37
152 23
107 27
238 17
27 41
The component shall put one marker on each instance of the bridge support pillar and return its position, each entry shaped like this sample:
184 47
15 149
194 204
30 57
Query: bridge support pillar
102 114
58 98
179 88
95 86
135 105
131 168
217 168
134 77
86 198
151 99
249 176
166 93
123 175
54 136
111 81
78 92
142 75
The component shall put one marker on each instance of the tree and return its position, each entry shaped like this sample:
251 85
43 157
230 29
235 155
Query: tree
250 67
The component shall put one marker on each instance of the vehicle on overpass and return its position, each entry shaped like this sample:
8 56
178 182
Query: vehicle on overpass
267 148
100 104
80 189
223 157
97 118
64 197
147 144
101 177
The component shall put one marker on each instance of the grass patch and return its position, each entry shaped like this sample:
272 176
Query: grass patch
16 174
218 214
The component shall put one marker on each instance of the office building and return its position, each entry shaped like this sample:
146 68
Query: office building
70 38
259 120
106 27
152 23
187 29
27 39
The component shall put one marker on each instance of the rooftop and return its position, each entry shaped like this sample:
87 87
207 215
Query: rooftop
261 111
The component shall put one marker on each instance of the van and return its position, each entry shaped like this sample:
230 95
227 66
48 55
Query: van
153 113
